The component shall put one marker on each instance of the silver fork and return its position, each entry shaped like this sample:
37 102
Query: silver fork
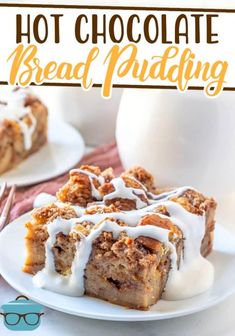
7 207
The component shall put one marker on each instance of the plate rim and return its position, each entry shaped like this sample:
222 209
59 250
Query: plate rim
141 315
51 120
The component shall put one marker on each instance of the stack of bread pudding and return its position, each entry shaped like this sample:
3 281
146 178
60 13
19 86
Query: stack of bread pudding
23 126
121 239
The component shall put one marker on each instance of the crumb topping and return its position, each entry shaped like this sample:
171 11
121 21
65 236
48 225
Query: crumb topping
49 213
135 183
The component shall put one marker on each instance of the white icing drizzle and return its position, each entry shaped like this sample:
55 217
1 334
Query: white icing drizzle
43 199
48 277
14 109
195 274
126 192
94 192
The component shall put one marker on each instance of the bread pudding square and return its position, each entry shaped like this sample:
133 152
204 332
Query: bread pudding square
119 239
23 127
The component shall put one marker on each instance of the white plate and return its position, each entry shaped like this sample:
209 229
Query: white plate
12 258
63 150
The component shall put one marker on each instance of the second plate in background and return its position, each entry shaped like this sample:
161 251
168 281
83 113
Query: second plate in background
64 149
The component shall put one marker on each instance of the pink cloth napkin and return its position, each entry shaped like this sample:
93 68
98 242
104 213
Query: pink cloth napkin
104 156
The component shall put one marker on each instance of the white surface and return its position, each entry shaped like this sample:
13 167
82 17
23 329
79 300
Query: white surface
12 258
63 150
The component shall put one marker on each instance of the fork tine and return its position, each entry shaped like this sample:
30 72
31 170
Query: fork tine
2 191
7 207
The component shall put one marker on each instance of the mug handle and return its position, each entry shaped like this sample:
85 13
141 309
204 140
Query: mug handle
21 296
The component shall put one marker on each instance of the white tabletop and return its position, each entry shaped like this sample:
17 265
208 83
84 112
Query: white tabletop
218 320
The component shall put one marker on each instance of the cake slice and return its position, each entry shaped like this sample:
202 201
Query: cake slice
125 241
23 127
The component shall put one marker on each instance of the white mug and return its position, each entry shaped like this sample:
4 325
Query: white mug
182 138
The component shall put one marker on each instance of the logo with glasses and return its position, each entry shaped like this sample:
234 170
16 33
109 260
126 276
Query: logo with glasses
22 314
